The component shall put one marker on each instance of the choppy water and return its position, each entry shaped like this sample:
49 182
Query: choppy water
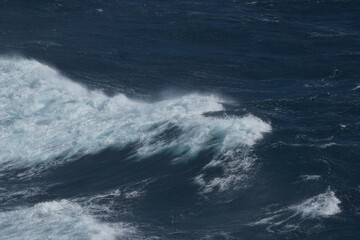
179 119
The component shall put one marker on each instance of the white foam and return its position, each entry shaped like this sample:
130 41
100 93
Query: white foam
44 116
310 177
356 88
235 164
10 195
326 145
105 204
57 220
292 217
322 205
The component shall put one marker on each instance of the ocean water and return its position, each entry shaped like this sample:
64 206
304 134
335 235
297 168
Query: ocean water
180 119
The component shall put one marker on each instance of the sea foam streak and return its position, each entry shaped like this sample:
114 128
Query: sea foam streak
57 220
44 116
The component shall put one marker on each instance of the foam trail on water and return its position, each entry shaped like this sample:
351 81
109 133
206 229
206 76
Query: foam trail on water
58 220
45 116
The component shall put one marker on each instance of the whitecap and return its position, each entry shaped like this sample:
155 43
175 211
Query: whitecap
322 205
58 220
294 216
45 116
235 166
310 177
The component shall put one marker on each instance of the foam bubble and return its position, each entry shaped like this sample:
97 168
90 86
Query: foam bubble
57 220
45 116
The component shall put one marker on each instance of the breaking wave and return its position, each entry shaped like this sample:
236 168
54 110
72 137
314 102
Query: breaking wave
58 220
45 116
322 205
288 218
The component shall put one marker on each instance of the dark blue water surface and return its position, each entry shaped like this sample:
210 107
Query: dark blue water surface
192 120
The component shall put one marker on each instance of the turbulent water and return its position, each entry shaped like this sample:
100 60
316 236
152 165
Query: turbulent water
179 119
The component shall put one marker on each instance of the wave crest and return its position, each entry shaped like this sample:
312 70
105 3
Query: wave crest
44 116
57 220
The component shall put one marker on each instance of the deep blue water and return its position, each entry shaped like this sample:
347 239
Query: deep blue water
180 119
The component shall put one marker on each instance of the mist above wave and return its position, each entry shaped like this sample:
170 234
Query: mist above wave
44 116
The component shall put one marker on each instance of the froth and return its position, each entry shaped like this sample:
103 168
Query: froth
57 220
322 205
44 116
